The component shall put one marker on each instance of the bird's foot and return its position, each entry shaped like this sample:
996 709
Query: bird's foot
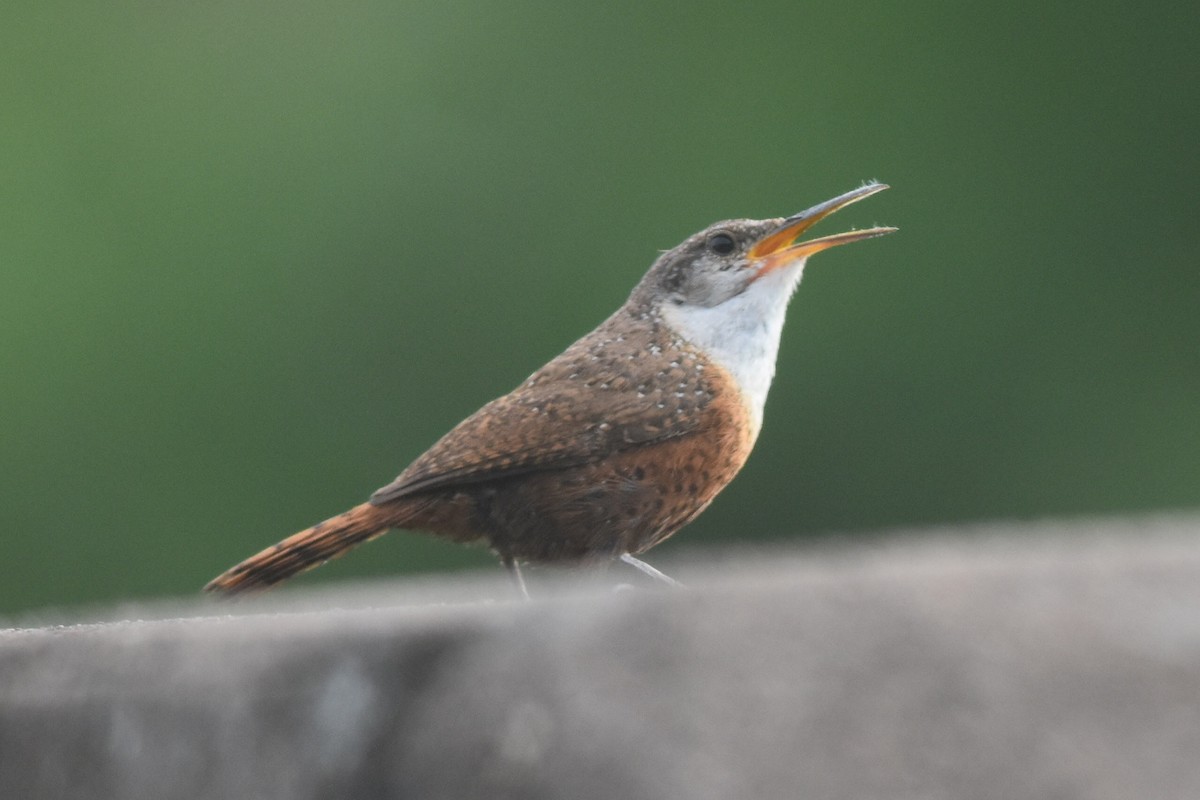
514 571
651 571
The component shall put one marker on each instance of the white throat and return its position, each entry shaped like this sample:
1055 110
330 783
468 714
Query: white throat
742 334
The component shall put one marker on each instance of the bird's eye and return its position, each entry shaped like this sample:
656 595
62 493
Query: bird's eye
721 243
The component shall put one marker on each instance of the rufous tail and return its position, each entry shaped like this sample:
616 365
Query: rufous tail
305 550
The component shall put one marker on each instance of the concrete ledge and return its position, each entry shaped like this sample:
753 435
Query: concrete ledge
1030 662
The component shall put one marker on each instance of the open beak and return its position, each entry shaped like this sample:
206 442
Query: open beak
780 248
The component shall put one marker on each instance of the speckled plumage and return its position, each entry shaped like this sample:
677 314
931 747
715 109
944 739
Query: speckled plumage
615 444
591 445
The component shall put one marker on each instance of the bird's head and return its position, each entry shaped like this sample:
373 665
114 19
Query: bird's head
727 259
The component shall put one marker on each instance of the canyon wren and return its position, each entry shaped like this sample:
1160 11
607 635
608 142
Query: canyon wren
615 444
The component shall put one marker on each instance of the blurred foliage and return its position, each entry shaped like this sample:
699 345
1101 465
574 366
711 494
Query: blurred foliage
258 256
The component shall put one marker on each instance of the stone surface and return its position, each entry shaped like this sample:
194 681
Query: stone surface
1018 662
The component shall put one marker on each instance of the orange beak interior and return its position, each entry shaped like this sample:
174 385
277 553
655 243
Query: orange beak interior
780 248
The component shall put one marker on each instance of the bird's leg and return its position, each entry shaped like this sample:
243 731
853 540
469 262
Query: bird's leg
514 571
651 571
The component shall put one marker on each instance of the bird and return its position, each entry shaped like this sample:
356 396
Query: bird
618 442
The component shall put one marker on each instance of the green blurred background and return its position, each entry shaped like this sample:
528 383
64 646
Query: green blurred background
256 257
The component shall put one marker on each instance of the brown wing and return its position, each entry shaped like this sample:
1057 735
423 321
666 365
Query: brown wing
601 396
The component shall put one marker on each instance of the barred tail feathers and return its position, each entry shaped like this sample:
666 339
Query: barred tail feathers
304 550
